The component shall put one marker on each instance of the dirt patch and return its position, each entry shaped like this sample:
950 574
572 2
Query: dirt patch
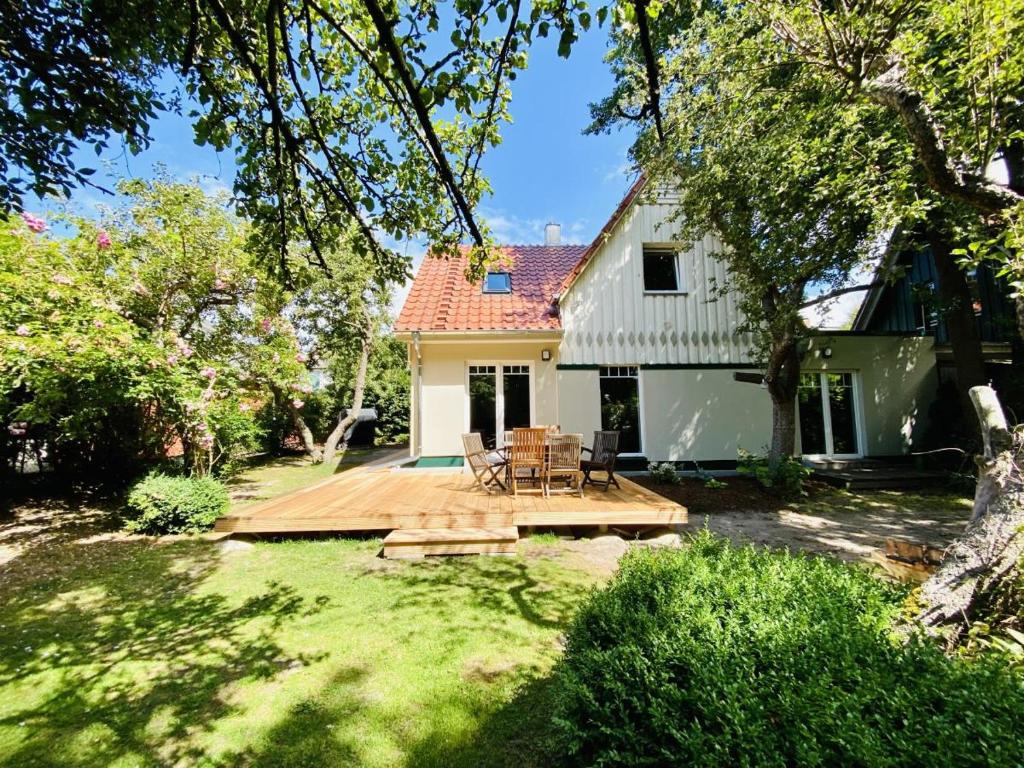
740 493
847 525
487 671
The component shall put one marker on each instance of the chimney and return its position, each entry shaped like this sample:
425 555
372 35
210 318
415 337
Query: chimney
553 234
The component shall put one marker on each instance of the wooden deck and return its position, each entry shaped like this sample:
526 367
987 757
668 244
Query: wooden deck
387 499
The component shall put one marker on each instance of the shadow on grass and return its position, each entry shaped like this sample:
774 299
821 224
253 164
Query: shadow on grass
544 597
117 654
518 734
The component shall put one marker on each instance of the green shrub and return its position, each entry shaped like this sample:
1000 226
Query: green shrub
716 655
166 504
664 473
783 478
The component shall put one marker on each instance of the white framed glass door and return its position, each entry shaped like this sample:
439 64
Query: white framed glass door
829 414
500 399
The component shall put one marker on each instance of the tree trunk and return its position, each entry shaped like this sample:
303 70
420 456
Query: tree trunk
782 378
983 566
336 441
958 313
305 433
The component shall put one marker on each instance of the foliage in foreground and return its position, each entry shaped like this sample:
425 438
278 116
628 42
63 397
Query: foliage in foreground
717 655
161 504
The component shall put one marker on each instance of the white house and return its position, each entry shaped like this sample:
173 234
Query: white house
625 334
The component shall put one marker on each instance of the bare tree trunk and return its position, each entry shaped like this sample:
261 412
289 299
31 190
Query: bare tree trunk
305 433
336 439
986 560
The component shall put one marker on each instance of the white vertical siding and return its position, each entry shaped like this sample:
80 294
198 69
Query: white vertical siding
608 319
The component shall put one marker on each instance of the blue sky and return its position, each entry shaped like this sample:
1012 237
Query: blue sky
544 170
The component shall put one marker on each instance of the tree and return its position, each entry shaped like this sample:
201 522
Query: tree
340 112
139 331
336 316
767 156
951 73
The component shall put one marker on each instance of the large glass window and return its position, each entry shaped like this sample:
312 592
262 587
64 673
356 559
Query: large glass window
661 270
828 414
483 381
620 405
515 390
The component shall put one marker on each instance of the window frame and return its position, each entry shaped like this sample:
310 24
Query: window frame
628 371
662 248
508 281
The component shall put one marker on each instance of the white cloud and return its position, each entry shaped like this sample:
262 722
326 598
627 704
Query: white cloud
508 229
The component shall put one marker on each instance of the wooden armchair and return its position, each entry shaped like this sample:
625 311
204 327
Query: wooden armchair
526 453
563 464
602 458
485 465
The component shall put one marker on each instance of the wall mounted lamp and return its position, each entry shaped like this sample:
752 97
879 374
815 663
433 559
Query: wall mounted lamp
545 354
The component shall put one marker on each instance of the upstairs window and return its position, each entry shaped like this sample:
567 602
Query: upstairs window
498 282
661 270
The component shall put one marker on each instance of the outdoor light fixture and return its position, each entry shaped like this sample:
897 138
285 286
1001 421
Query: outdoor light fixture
826 352
545 354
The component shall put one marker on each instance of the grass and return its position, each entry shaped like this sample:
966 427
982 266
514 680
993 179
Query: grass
127 651
265 479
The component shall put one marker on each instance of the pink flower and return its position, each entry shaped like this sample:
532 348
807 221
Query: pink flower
98 323
33 222
183 347
244 407
102 239
301 357
206 441
209 373
306 389
266 324
22 330
62 279
207 394
172 359
219 285
298 403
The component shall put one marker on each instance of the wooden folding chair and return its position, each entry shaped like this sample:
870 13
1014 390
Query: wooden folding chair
485 465
563 464
526 453
602 458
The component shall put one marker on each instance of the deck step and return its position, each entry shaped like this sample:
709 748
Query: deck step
418 542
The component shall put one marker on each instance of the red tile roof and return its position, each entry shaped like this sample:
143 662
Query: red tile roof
442 300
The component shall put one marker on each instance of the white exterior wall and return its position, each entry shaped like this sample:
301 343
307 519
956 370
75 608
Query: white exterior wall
897 382
443 415
685 415
608 318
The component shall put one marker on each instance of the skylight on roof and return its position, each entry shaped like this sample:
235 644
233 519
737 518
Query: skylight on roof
498 282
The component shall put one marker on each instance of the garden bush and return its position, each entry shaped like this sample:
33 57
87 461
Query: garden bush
783 478
166 504
665 473
716 655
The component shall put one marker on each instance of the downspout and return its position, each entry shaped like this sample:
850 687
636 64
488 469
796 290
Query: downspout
418 395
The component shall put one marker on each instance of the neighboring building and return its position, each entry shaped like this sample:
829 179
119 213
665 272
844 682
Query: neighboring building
625 334
909 306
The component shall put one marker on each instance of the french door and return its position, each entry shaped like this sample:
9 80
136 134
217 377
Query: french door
829 415
499 400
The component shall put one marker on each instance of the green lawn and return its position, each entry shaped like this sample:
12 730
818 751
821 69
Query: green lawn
267 478
130 651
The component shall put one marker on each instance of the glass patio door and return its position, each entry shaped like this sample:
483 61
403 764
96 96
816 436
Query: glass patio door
499 400
827 405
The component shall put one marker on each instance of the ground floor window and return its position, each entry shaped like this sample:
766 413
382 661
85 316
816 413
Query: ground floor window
828 414
620 405
499 400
